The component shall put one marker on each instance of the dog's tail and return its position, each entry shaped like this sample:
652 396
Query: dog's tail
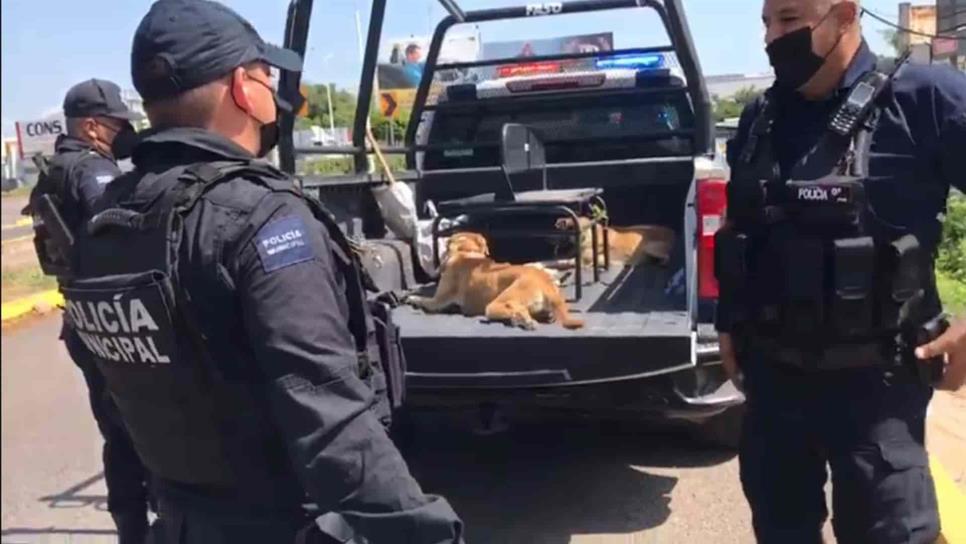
561 314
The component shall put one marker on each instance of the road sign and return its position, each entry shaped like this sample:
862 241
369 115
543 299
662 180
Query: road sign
393 101
39 135
304 109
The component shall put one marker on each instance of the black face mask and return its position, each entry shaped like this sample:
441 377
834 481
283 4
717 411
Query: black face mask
124 142
793 59
268 133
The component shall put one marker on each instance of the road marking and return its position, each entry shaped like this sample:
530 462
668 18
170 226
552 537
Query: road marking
22 222
952 505
22 306
23 238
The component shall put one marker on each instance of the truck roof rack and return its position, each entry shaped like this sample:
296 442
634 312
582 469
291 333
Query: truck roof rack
670 12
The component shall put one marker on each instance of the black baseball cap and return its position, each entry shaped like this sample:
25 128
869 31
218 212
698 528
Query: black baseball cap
183 44
97 98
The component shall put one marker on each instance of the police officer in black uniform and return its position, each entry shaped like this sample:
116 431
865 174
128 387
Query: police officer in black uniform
227 314
840 175
99 132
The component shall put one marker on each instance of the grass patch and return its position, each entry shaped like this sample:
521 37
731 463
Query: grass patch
25 281
953 294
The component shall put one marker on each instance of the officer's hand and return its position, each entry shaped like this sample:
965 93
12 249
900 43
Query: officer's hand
952 344
728 358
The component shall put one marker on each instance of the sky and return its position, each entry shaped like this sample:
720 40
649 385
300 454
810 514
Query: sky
48 45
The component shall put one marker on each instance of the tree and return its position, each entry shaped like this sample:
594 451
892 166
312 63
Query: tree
747 95
728 108
952 251
343 106
894 38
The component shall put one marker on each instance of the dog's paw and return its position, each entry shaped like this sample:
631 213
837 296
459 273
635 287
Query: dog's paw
525 323
414 300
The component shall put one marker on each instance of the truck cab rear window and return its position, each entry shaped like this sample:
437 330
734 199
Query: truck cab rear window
574 128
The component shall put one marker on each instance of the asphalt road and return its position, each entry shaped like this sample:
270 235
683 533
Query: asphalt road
550 484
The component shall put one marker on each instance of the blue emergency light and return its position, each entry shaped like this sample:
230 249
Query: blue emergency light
633 61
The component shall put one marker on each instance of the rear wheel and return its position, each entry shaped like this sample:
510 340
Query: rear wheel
724 429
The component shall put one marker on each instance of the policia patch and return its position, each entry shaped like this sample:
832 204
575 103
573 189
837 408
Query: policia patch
282 243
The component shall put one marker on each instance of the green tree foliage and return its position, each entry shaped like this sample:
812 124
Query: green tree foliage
727 108
894 39
343 113
381 126
343 106
952 252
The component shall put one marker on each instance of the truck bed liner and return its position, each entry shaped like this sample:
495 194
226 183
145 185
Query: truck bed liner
634 326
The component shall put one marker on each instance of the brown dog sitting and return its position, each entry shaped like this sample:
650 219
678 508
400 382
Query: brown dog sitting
516 294
628 245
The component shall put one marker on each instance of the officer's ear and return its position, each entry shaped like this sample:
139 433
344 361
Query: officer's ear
240 92
88 127
846 14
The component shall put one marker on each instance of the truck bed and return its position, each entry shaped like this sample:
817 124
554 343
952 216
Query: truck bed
635 326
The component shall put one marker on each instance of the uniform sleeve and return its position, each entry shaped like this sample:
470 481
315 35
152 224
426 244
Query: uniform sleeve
295 314
723 315
950 104
90 179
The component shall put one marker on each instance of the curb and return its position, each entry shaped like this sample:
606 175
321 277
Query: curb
39 302
17 240
952 504
22 222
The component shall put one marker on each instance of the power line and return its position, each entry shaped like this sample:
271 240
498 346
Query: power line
909 30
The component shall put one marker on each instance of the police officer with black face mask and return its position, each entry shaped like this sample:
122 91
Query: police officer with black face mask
840 175
99 133
227 314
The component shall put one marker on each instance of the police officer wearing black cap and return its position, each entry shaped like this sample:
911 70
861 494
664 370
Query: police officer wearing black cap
99 133
227 314
840 175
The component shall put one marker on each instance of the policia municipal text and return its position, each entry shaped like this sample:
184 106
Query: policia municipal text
227 314
840 175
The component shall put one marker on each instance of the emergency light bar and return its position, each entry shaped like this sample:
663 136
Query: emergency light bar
633 61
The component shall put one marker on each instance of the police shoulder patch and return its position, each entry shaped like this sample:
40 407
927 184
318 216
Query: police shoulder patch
102 179
283 242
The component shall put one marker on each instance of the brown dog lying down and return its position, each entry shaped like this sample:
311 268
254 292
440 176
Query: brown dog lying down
517 294
628 245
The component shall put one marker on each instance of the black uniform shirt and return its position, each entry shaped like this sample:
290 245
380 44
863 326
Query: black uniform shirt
261 278
918 148
89 175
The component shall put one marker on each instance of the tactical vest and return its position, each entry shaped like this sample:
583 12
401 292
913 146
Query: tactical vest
53 222
194 417
812 276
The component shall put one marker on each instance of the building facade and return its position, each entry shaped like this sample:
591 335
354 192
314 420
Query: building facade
950 21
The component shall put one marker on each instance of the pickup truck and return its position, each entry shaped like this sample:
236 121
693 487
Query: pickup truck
635 124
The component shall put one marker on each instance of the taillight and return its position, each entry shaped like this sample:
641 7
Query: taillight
711 202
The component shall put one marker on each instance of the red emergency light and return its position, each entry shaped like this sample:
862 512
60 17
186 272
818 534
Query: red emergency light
529 69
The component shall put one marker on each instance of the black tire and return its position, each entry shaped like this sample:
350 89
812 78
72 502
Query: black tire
724 429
